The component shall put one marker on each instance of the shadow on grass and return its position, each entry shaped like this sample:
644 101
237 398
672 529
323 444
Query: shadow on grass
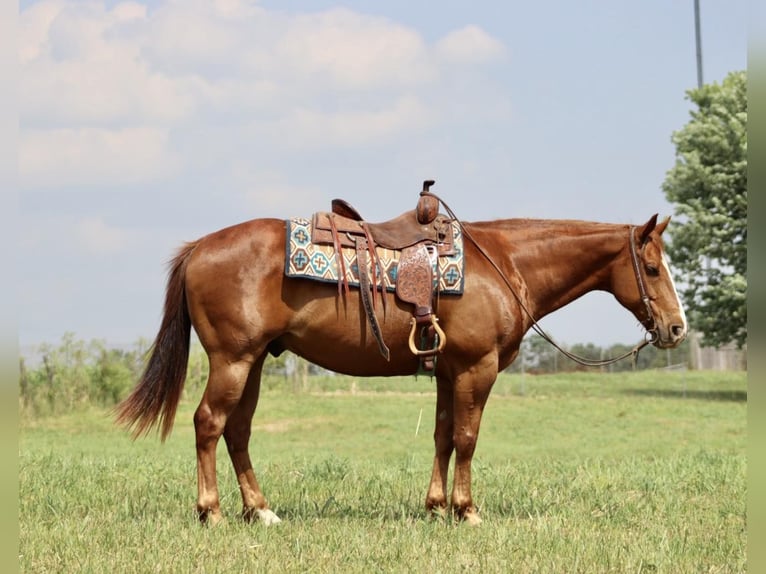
713 395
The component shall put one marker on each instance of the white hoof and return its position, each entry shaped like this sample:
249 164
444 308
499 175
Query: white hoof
267 517
472 518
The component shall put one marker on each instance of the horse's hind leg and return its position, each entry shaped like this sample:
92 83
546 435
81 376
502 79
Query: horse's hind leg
436 498
237 436
224 388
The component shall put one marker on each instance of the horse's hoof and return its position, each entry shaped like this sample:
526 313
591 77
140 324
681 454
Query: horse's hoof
438 512
267 517
210 517
472 518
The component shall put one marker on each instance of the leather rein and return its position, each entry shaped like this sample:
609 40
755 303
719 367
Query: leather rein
651 331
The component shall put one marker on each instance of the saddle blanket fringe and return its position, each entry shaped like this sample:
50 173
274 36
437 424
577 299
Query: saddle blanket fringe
311 261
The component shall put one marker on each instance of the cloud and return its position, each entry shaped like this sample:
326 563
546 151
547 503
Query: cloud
202 38
34 24
113 91
470 45
93 156
342 49
82 65
127 94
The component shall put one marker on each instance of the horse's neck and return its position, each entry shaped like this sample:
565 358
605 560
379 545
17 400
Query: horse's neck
560 261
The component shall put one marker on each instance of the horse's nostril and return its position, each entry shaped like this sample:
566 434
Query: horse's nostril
677 331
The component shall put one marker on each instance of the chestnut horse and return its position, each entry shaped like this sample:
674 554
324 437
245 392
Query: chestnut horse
231 287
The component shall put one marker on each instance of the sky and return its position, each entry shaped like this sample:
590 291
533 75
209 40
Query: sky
144 125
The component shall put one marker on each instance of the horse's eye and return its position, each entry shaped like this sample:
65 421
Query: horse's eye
652 270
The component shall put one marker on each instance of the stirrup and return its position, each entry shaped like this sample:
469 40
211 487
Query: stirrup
441 337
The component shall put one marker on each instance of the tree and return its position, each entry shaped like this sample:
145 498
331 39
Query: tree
588 351
110 376
708 185
539 355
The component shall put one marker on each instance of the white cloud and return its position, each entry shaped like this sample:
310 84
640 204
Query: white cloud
82 65
347 50
112 90
127 11
92 156
470 45
199 37
69 30
108 95
34 25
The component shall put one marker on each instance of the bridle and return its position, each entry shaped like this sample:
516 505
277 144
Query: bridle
651 331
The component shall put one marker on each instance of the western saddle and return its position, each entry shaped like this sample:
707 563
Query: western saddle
420 235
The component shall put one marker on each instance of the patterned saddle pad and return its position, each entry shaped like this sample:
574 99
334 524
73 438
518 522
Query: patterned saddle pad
318 262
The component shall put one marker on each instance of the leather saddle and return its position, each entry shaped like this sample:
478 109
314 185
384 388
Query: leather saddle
420 235
398 233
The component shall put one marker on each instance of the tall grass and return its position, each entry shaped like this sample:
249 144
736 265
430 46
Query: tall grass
587 473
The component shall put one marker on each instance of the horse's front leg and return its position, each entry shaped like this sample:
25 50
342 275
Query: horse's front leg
470 395
237 436
436 498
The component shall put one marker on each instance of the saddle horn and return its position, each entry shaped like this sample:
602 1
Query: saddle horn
428 205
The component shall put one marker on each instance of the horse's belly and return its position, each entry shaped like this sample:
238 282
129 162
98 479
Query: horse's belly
351 350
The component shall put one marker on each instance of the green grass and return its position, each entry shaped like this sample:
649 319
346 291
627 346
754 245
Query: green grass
638 472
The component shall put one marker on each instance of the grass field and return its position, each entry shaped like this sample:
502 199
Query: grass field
638 472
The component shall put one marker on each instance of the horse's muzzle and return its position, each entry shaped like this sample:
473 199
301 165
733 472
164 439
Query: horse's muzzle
669 337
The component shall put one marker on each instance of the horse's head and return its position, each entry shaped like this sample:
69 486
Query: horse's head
643 284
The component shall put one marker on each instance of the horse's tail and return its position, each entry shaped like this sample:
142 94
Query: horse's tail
155 398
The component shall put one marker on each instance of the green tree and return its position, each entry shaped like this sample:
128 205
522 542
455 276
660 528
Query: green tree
588 351
708 185
110 374
538 354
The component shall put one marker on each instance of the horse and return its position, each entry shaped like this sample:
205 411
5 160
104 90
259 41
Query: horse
230 286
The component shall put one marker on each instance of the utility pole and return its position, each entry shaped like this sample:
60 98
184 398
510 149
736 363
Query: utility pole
698 37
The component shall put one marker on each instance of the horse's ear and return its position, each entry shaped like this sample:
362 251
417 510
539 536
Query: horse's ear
662 225
648 228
